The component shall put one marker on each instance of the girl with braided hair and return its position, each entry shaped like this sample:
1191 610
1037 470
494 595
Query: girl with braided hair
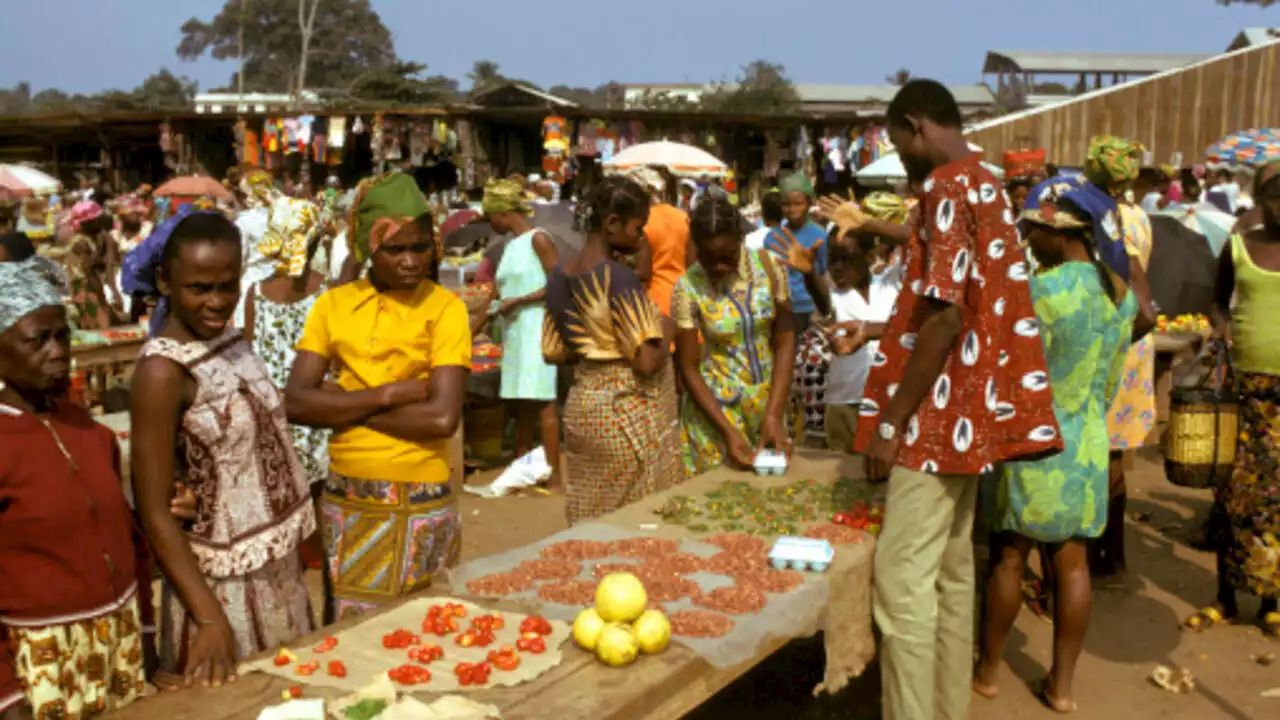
621 437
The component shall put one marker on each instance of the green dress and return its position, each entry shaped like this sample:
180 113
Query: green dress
1086 337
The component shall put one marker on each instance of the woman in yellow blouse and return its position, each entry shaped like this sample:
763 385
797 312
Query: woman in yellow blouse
401 345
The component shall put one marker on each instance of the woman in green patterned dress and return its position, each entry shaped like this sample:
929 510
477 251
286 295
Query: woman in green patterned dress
1086 316
737 381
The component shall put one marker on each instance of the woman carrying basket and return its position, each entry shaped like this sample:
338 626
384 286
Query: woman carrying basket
1245 522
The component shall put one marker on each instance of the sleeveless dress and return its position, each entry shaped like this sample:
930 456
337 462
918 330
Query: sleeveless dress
1064 497
276 330
253 507
525 375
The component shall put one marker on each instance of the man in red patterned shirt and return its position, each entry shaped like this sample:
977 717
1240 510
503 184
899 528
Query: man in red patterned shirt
959 384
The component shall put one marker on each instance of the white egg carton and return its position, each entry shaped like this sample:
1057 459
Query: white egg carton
801 554
771 462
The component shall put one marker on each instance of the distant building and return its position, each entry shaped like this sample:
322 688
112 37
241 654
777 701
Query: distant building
868 100
216 103
1064 74
1250 37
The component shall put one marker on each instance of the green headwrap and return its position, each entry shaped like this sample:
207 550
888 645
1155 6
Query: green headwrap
1112 162
796 182
389 196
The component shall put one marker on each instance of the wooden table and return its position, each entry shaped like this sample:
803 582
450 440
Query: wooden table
660 687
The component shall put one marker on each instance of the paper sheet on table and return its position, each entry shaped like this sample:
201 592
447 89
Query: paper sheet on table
294 710
360 649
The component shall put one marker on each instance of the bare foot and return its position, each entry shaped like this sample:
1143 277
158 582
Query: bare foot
1053 701
984 682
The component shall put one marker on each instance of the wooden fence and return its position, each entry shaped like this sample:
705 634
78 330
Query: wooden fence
1179 111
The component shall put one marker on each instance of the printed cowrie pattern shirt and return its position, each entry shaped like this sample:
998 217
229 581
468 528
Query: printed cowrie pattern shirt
992 401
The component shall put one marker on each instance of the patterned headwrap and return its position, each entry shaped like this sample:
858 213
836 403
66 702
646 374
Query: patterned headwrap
1111 162
257 188
139 267
27 286
83 212
384 228
1074 203
796 182
394 195
887 207
293 225
505 196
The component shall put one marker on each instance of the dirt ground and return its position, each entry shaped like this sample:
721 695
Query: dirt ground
1132 632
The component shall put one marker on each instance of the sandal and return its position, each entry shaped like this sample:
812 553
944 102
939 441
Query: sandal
1207 618
1271 625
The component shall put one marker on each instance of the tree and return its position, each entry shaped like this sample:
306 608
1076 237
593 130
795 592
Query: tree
484 75
762 88
401 83
584 97
345 41
899 78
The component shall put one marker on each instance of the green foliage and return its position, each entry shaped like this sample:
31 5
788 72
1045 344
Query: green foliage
401 83
484 75
763 88
349 41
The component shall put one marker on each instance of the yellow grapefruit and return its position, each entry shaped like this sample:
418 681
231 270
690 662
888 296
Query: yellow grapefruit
620 597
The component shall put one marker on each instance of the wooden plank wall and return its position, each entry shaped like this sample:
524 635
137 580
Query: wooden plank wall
1185 111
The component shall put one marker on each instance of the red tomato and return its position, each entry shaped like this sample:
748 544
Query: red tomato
840 519
308 669
466 639
409 675
537 646
326 645
535 624
337 669
295 692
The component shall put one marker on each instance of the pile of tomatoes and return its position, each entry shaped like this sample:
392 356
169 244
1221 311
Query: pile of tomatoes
862 516
441 620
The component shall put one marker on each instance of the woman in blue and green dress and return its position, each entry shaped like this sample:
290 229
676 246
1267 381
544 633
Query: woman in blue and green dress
1085 316
737 379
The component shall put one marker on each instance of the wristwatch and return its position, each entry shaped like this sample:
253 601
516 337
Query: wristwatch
888 431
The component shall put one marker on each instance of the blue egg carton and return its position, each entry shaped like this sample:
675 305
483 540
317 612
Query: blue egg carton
793 553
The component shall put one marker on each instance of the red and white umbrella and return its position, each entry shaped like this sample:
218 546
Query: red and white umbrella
680 159
23 181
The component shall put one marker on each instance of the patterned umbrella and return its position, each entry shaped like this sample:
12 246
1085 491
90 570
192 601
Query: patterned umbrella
1248 147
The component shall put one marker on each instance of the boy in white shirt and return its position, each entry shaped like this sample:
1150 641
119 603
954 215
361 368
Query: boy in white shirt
861 302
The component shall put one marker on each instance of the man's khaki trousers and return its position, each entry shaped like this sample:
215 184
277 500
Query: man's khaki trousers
924 590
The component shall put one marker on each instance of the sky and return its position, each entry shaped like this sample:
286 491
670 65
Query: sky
94 45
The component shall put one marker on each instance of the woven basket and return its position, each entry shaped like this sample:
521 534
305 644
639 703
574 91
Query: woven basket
1200 441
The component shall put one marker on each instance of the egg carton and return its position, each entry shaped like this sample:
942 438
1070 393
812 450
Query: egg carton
793 553
771 462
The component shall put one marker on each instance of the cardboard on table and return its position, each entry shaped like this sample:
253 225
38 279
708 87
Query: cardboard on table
360 649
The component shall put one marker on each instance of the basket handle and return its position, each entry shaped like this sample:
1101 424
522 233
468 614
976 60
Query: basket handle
1216 377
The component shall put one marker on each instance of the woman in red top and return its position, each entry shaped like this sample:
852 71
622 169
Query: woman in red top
70 557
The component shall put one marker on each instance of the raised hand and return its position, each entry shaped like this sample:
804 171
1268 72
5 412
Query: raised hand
794 255
846 214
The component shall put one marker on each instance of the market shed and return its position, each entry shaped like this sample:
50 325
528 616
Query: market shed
1179 110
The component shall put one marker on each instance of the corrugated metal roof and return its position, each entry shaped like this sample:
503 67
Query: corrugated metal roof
814 93
1076 62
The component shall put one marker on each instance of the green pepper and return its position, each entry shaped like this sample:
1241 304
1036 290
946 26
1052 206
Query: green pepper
365 710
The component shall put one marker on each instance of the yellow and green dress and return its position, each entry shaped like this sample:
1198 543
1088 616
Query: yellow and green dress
1085 334
735 318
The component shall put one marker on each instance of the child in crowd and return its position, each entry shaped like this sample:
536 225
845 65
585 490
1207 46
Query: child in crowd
206 413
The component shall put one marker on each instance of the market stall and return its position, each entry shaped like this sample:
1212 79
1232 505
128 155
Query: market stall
102 354
665 685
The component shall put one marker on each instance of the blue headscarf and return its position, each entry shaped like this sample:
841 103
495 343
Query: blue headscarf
1076 197
138 268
